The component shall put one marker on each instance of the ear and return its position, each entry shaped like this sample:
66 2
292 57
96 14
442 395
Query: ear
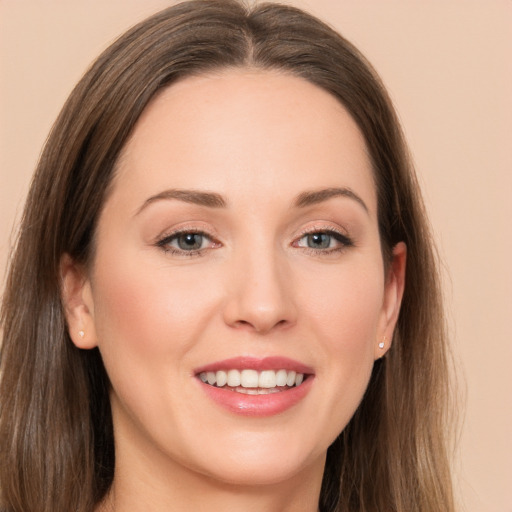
78 303
393 293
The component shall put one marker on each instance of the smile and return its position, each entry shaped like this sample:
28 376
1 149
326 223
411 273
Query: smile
252 386
253 382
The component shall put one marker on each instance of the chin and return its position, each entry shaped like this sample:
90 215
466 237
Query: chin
261 463
261 473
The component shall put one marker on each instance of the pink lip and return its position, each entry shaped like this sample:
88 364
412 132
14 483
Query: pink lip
259 364
257 405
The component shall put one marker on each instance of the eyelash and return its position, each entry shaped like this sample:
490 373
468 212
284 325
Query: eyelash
164 242
344 241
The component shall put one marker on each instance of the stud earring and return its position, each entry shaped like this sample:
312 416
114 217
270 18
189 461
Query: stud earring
81 334
382 344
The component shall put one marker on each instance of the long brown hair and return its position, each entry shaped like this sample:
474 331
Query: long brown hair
57 451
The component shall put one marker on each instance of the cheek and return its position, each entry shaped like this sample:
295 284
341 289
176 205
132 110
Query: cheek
346 316
148 311
348 307
149 319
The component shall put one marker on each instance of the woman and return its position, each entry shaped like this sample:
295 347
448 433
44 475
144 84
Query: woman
207 306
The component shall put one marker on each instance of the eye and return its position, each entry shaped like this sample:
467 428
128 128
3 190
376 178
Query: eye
324 241
319 240
189 241
186 242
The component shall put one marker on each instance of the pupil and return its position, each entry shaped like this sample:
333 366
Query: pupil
319 240
190 241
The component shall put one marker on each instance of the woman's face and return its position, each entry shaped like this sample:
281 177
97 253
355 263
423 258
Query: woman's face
239 242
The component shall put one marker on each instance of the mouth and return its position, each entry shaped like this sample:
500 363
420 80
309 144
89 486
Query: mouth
253 382
252 386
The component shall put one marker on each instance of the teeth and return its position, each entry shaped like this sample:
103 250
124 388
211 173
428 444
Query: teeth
281 378
222 378
233 378
249 379
267 379
267 391
253 382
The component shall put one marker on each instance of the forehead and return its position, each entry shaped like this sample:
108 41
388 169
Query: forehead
245 127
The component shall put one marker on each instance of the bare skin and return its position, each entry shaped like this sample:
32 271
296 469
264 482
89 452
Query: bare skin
242 223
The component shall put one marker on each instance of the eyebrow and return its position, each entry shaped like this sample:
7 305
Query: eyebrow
209 199
313 197
214 200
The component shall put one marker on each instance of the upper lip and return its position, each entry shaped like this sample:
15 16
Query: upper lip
256 363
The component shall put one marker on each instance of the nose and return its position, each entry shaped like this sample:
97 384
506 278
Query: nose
260 293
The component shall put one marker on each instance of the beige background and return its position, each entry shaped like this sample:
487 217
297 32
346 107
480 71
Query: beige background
447 64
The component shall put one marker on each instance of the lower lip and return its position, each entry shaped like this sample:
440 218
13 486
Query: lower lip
258 405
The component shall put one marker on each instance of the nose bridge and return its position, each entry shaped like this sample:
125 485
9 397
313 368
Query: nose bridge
260 296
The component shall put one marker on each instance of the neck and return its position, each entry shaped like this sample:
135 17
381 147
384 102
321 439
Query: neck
207 498
138 488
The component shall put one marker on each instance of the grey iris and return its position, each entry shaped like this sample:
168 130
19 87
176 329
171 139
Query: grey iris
190 241
319 240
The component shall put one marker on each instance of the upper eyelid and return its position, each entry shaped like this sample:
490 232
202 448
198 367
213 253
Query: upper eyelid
166 240
343 236
316 228
175 232
166 236
325 229
335 234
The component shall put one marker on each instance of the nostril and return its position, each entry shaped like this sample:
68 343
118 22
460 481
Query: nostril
260 326
242 323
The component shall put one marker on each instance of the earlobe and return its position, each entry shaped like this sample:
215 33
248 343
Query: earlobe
77 302
394 290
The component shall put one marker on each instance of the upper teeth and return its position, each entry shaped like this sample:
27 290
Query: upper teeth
253 378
